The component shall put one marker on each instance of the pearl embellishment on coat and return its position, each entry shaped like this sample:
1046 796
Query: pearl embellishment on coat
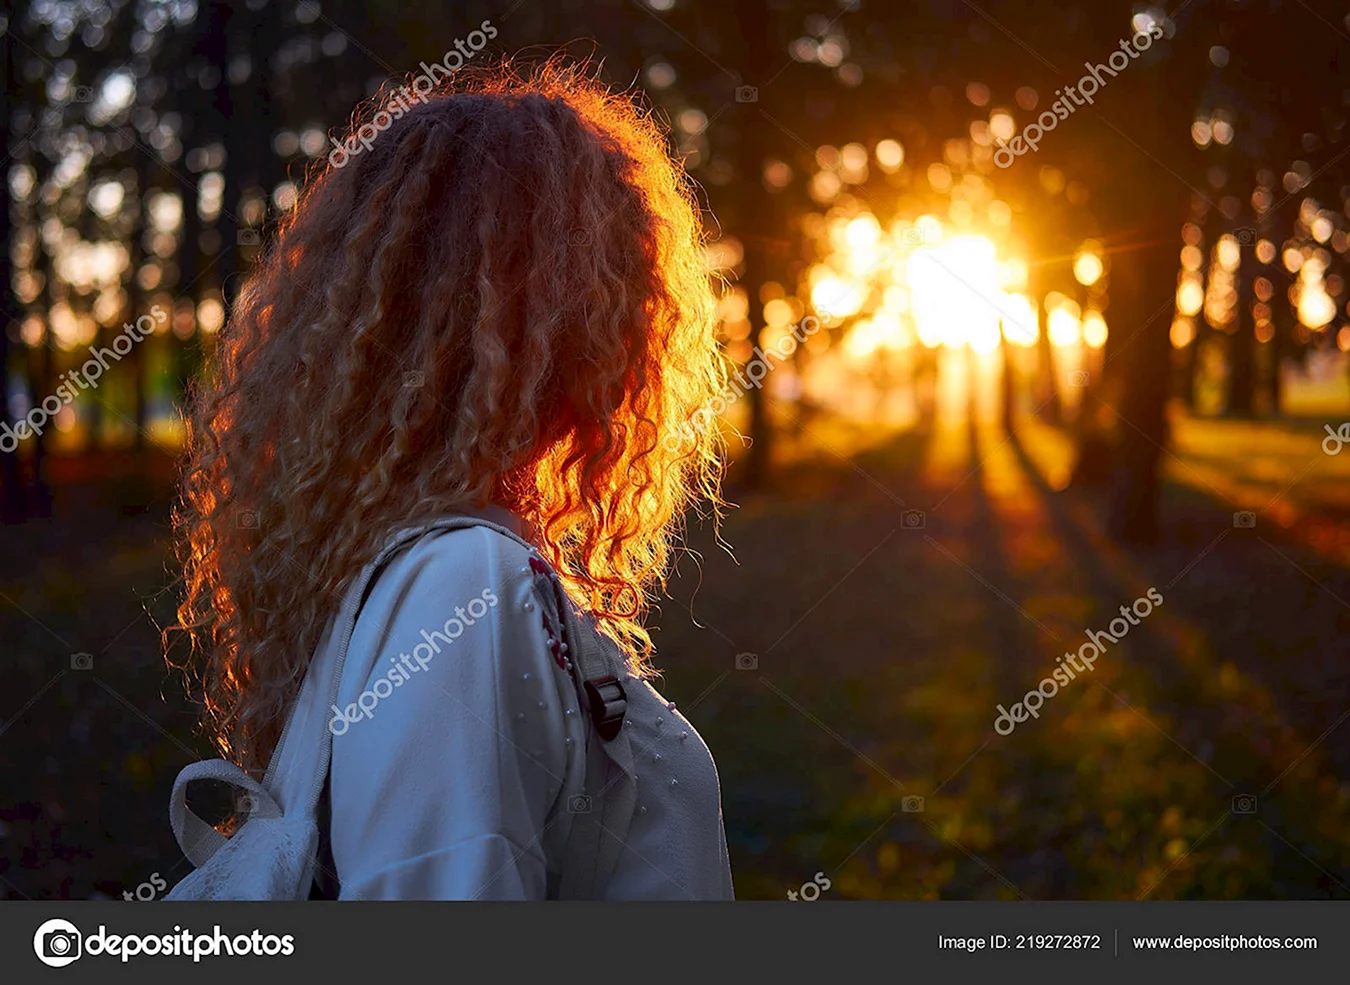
529 606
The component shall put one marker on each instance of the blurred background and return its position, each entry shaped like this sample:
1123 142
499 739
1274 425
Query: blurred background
995 386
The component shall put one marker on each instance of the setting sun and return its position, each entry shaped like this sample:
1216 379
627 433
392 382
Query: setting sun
955 292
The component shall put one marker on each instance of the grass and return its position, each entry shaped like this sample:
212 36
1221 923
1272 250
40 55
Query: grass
882 649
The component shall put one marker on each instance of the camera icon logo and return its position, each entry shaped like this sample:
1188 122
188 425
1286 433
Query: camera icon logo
747 94
1244 519
248 237
82 94
1244 803
248 520
415 378
911 805
579 804
57 943
1245 235
1078 378
747 661
81 661
912 519
579 237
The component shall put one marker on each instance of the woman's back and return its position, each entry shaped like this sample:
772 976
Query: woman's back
488 737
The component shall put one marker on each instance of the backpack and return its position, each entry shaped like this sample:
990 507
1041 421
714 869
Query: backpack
273 853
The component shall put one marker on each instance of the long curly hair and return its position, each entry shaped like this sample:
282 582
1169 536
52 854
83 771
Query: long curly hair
502 297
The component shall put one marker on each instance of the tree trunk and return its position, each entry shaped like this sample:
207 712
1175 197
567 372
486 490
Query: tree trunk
11 475
1240 400
216 29
1047 398
1008 398
1192 367
1144 366
756 138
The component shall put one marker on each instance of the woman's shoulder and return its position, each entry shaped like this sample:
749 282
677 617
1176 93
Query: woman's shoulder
477 552
460 606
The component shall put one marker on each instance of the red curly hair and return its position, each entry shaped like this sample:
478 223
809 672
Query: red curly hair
503 299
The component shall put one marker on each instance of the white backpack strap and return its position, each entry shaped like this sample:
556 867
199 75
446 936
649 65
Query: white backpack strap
597 836
198 840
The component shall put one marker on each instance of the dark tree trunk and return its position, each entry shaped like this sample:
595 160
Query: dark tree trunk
11 476
756 138
1190 382
40 368
1008 398
1051 408
1144 367
1281 325
197 110
1241 395
215 46
1152 206
41 373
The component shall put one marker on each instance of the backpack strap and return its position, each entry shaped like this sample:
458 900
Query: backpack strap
198 840
597 835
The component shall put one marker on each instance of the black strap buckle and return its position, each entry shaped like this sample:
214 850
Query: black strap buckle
608 704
